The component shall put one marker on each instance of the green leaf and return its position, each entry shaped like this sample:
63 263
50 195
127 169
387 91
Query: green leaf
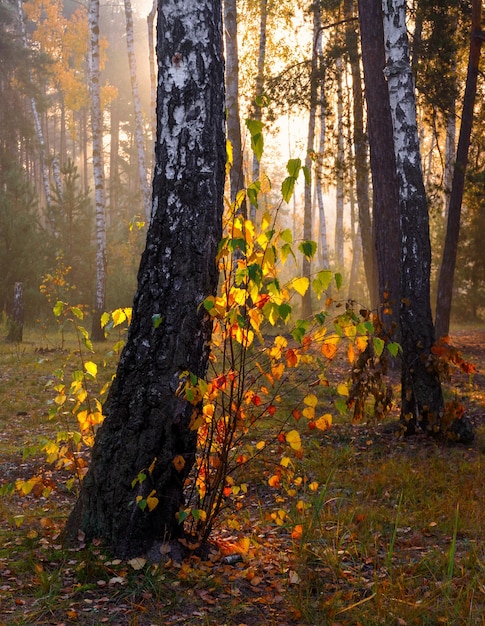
338 280
77 312
58 308
394 348
285 311
307 174
287 235
255 128
182 516
378 345
287 188
104 319
293 167
308 248
156 320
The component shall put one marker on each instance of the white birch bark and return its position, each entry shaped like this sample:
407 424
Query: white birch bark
421 399
139 135
98 165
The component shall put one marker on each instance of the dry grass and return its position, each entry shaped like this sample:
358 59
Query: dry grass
393 536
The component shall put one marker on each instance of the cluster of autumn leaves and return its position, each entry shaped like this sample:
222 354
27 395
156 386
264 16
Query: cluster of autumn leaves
251 402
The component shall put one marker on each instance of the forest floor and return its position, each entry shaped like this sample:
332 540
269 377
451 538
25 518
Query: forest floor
393 535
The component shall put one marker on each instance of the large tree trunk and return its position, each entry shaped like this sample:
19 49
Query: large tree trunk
422 399
383 164
447 270
147 423
139 134
98 169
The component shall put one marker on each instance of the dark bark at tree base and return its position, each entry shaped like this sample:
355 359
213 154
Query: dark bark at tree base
145 448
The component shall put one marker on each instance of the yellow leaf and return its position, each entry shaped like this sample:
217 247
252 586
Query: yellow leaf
313 486
311 400
300 285
152 501
260 445
91 368
342 389
324 422
293 439
244 543
309 412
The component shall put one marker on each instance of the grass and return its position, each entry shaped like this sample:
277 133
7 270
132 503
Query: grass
393 534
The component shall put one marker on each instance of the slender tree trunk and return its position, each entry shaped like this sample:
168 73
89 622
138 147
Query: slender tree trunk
145 447
339 170
35 114
153 73
139 134
447 270
323 236
422 399
386 220
306 311
236 176
258 92
361 159
98 169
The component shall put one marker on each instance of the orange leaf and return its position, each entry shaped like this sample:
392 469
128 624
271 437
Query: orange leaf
297 532
179 462
291 358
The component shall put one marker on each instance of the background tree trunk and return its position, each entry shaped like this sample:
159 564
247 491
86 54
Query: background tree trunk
139 133
361 160
98 169
236 175
447 269
385 188
147 424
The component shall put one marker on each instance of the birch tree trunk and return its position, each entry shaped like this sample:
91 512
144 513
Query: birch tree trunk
447 269
147 424
422 399
139 134
98 168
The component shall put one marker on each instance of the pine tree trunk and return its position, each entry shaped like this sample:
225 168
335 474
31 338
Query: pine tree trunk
147 424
